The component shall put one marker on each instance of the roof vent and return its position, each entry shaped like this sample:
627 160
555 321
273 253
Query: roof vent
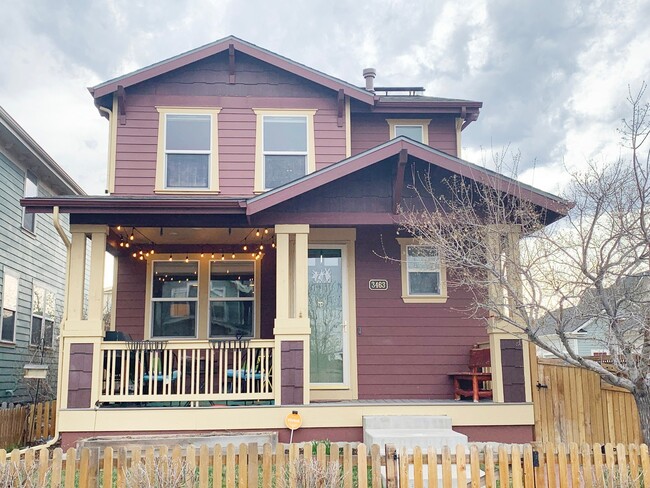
369 74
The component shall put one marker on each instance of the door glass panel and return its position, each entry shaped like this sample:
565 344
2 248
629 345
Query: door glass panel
326 315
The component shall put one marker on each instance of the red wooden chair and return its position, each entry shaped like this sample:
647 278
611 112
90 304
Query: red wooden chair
474 383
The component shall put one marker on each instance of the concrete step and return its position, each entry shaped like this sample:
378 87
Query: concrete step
416 422
411 438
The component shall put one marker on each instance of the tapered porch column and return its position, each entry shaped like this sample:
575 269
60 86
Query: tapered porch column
82 328
512 357
291 328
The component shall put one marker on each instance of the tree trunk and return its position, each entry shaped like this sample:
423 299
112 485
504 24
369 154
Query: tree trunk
642 399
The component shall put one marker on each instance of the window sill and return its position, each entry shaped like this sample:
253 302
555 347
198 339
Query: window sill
425 299
28 232
187 191
321 386
7 344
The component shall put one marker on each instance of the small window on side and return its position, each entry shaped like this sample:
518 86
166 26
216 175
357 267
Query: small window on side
9 307
31 190
423 275
414 132
43 317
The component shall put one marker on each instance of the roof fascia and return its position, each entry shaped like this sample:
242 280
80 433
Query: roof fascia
39 154
240 45
420 151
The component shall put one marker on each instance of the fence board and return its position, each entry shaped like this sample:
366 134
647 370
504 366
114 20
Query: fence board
576 406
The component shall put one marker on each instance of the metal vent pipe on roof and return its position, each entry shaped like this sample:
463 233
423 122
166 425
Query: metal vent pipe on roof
369 74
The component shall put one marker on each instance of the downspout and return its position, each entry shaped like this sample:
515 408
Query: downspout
68 244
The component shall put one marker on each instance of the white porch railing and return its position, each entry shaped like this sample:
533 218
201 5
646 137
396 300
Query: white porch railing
187 371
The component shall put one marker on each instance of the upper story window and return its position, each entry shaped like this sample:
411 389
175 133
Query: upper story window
43 313
416 129
9 306
423 275
187 150
285 147
31 190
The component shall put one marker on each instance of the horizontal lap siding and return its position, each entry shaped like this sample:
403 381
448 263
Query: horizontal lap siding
38 257
205 84
131 296
370 130
405 351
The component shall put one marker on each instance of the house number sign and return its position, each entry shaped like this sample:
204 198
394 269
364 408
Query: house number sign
378 284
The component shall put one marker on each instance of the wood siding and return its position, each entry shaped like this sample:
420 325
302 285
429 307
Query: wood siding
406 350
205 84
38 258
370 130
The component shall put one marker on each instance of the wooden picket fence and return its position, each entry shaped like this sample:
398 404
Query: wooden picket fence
574 405
26 425
324 465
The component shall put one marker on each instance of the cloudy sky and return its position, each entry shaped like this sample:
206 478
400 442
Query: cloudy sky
553 74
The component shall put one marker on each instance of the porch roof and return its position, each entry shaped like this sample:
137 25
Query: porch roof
408 147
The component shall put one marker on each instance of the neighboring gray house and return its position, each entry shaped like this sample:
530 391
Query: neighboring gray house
32 262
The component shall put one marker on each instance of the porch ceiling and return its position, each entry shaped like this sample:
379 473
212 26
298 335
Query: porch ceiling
193 235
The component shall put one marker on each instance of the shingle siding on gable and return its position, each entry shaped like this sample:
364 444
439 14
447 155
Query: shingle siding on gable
39 258
205 84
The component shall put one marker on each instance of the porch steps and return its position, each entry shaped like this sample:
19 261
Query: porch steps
410 431
183 440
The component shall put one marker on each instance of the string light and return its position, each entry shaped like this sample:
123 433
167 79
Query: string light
121 241
127 244
223 256
203 254
151 252
212 256
119 227
257 233
261 247
245 247
187 258
132 237
170 257
135 254
266 231
252 254
233 255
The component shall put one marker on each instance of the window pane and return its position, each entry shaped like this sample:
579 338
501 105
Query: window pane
31 185
232 280
175 280
231 318
174 319
421 283
35 338
48 335
285 133
422 258
8 324
50 304
279 170
29 221
37 300
188 133
187 170
412 131
10 292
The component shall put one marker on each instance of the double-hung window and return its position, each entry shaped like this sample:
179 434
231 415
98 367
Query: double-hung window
416 129
187 150
43 314
174 299
31 190
285 147
9 307
423 275
232 298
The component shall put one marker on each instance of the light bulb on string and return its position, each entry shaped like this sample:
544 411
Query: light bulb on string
257 233
223 256
127 244
170 257
212 256
135 254
187 258
233 255
261 247
121 241
202 254
119 227
266 231
132 237
245 247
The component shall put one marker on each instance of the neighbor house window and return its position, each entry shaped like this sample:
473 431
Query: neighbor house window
285 147
416 129
9 307
232 299
31 190
423 276
174 299
43 314
187 150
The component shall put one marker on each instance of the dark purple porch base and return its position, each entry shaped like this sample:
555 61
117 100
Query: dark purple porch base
518 434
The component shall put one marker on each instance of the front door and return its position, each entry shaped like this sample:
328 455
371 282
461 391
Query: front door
328 316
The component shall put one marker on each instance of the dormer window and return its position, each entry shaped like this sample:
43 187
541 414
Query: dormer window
187 151
416 129
285 147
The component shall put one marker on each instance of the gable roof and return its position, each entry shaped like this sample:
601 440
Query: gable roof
415 149
36 159
240 45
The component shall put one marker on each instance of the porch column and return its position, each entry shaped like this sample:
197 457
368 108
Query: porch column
511 356
82 327
291 330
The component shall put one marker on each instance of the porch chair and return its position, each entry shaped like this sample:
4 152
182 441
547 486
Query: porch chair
474 383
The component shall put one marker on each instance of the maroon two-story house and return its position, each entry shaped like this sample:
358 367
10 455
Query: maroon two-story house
252 202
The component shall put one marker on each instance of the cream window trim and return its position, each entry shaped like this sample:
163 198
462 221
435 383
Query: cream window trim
5 305
404 243
203 299
424 123
259 186
44 316
213 170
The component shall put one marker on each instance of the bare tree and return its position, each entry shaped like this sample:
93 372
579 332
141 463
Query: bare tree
526 275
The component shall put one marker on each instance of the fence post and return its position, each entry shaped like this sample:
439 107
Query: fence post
391 466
